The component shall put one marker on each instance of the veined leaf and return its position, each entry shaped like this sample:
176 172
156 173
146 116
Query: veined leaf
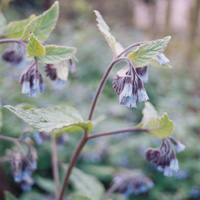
79 197
155 63
42 25
103 27
9 196
51 118
16 28
55 54
2 22
157 126
34 47
86 184
62 70
147 52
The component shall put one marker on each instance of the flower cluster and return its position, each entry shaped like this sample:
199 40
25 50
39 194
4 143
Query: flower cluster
14 57
22 168
164 157
41 137
51 72
133 183
128 84
32 81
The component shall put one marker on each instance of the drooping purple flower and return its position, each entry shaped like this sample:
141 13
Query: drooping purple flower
143 73
162 59
129 86
164 158
31 82
12 57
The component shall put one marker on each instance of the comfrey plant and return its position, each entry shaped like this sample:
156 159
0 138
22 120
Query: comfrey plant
30 35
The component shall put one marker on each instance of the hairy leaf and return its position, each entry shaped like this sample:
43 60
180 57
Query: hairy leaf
15 29
103 27
79 197
157 126
86 184
51 118
34 47
9 196
42 25
2 22
155 63
147 52
55 54
62 70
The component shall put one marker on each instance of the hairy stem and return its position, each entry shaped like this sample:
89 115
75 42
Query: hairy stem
72 163
13 41
90 136
105 76
130 47
14 140
55 166
101 84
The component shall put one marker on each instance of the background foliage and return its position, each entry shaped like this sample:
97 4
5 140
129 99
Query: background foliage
175 90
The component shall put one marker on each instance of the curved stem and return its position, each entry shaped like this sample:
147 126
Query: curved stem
13 41
116 132
14 140
103 80
131 46
54 161
72 163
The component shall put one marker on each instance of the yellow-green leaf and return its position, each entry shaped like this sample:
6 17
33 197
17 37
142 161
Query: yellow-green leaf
34 47
147 52
2 22
62 70
15 29
103 27
55 54
9 196
42 25
54 118
157 126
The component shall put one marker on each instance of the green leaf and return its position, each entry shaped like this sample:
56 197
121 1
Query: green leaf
9 196
86 184
42 25
55 54
46 184
62 70
15 29
51 118
103 27
155 63
159 127
34 47
147 52
79 197
2 22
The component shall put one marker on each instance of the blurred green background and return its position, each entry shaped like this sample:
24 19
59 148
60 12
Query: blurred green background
175 91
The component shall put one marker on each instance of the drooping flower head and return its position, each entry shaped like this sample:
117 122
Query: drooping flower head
51 72
129 86
14 56
133 183
164 158
32 81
